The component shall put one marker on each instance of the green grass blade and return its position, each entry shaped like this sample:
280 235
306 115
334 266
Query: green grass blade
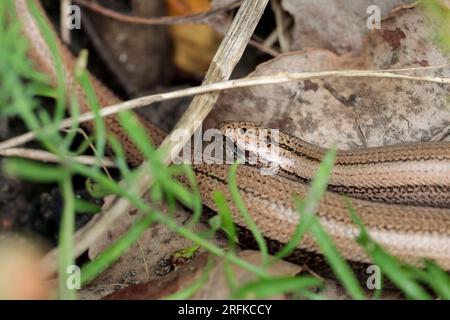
307 208
387 263
161 174
308 222
112 253
340 268
432 275
50 39
139 136
82 78
439 280
226 217
120 159
196 202
66 240
73 130
192 289
277 285
439 13
237 200
230 276
33 171
82 206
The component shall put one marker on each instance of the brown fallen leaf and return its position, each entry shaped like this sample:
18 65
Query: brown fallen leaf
194 44
142 262
339 26
352 112
165 286
138 56
214 288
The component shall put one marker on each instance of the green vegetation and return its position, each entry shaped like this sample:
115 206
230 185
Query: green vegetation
21 86
438 13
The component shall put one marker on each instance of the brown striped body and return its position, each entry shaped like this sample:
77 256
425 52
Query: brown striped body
417 175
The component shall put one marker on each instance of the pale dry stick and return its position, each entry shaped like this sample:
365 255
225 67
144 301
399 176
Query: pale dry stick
273 36
45 156
439 66
226 58
226 85
86 137
261 47
279 19
64 24
271 39
266 45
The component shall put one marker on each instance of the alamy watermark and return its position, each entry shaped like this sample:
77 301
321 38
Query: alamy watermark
374 280
72 17
250 145
73 280
374 19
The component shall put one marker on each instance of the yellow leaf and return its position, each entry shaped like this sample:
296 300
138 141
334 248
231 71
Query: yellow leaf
194 44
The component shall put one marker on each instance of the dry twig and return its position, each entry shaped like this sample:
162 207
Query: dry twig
191 18
279 18
232 84
65 31
45 156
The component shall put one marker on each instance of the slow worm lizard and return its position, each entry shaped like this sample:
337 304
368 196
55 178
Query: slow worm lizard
408 184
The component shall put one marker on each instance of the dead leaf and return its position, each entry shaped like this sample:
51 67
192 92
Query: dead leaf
194 44
352 112
215 288
141 262
138 56
338 26
165 286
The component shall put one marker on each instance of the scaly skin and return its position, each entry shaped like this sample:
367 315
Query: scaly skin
408 174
